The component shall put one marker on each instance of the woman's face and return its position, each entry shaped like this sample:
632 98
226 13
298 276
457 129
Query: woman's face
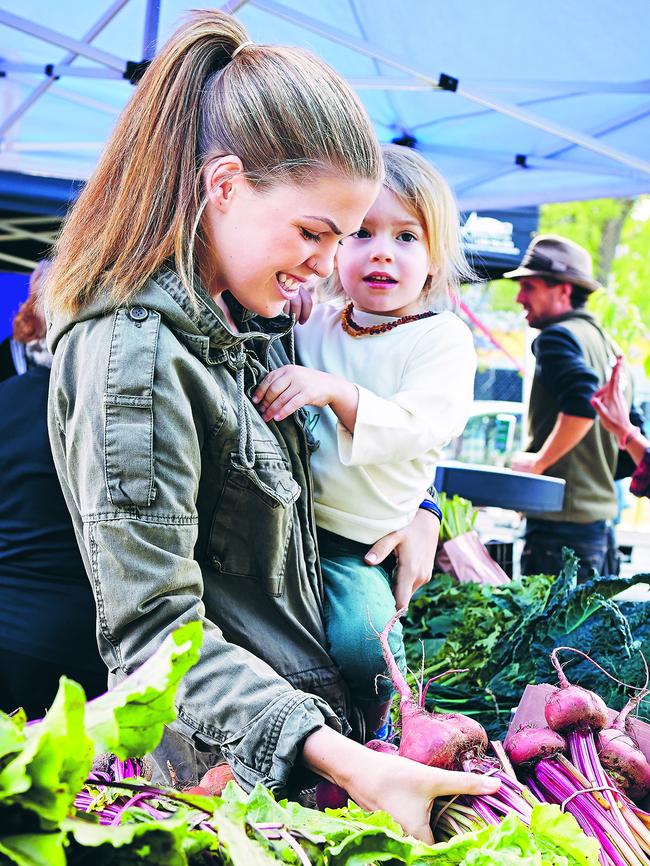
264 244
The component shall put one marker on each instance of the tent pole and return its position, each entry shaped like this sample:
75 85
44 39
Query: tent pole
509 110
44 86
151 21
79 47
233 6
552 153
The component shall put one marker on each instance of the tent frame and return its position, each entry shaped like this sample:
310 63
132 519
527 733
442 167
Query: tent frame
621 163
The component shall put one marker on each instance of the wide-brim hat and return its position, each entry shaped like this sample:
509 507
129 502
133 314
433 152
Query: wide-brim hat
559 259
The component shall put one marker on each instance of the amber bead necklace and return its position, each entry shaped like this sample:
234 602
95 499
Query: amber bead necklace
355 330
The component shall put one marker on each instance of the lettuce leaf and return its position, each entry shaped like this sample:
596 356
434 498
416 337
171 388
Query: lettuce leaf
129 719
33 849
557 833
56 755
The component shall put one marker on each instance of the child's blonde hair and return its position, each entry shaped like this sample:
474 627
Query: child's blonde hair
424 192
281 110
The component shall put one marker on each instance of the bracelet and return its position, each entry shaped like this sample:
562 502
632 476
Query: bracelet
433 507
622 442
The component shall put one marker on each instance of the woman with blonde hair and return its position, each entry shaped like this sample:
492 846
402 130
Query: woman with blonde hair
230 178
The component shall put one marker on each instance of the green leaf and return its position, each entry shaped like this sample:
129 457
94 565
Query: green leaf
129 719
558 833
56 756
156 843
34 849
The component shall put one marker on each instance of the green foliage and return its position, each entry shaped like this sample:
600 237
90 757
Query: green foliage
458 516
504 636
128 720
44 765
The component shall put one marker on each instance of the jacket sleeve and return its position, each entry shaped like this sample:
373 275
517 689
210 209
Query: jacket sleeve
431 407
138 542
565 372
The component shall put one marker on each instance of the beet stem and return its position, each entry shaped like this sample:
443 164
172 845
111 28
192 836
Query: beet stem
564 681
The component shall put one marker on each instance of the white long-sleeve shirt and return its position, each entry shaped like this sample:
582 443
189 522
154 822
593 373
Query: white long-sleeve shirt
415 393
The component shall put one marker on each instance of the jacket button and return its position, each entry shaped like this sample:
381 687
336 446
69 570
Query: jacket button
138 314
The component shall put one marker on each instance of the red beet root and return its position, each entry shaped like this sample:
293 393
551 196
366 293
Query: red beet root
528 745
572 707
621 756
216 779
438 740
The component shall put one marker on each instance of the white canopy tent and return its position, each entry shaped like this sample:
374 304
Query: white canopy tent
516 103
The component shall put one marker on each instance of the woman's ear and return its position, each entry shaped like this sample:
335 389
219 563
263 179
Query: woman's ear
222 176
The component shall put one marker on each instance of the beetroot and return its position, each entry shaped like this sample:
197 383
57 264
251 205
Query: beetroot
529 744
330 796
382 746
572 707
622 758
435 739
216 779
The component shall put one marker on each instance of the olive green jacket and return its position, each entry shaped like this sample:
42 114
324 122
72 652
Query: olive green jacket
188 506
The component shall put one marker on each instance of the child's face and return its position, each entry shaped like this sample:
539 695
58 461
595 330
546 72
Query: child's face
383 267
264 244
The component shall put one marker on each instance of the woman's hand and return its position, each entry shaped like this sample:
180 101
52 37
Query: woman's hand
415 549
399 786
611 405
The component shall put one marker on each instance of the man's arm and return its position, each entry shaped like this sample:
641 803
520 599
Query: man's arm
568 431
573 382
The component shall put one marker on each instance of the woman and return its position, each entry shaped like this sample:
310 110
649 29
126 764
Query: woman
46 607
229 180
614 413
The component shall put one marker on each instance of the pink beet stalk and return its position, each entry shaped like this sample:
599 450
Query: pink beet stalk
439 740
451 741
581 714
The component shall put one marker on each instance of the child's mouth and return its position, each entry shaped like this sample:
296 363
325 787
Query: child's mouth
378 280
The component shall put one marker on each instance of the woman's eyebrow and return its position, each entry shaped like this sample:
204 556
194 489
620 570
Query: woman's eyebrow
332 225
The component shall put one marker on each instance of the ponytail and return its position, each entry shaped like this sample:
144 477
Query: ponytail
282 111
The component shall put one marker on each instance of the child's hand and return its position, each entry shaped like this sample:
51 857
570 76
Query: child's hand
288 388
301 306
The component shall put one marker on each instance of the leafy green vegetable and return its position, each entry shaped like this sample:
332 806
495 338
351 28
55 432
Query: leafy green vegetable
42 849
504 635
558 835
458 516
128 720
44 776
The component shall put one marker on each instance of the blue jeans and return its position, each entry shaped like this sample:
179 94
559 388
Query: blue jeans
358 604
593 544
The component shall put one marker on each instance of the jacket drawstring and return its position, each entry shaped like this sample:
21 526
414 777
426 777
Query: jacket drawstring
246 444
238 362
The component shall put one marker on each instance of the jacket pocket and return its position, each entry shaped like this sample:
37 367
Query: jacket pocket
253 521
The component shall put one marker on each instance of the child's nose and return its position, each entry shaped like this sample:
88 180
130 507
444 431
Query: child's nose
381 251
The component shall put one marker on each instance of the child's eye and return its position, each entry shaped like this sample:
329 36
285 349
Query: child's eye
309 236
361 234
409 237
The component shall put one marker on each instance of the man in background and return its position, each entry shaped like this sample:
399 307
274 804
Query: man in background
573 358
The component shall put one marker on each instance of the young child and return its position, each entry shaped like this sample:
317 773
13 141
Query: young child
393 372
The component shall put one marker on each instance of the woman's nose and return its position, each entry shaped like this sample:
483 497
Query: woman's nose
323 263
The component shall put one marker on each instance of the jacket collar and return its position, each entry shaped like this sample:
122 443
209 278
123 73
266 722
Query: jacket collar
570 314
201 326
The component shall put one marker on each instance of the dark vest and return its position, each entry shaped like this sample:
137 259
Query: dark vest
588 469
